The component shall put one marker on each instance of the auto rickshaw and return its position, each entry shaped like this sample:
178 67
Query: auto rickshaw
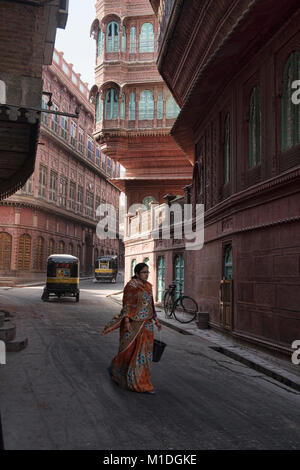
62 277
106 268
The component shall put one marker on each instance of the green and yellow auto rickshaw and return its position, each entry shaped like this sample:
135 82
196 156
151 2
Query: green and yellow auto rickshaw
62 277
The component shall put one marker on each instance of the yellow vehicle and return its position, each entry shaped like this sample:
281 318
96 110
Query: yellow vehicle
106 268
62 277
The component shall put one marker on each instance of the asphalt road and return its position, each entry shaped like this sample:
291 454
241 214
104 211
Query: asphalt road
56 394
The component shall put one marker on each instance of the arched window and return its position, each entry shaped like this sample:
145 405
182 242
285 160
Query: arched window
146 105
147 38
132 111
70 250
290 113
5 251
51 247
24 252
98 108
111 104
147 200
227 150
172 108
100 43
61 247
160 105
123 39
122 106
132 40
39 260
133 265
254 129
112 37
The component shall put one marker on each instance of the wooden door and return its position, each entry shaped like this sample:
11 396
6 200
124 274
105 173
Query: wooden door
226 309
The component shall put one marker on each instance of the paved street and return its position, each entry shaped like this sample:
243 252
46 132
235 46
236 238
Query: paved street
56 394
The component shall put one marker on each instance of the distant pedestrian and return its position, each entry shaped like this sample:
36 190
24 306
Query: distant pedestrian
131 368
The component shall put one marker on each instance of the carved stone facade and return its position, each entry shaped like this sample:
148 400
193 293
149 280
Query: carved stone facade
55 211
239 124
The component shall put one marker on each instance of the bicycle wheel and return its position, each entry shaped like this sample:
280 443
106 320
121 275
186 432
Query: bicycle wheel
168 304
185 309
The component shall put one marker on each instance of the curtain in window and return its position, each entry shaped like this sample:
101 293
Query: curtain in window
100 43
227 150
133 40
124 39
290 113
160 105
254 129
98 108
172 108
111 104
146 105
132 110
147 38
112 37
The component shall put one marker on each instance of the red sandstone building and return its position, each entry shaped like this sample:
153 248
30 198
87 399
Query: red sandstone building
231 67
55 211
135 111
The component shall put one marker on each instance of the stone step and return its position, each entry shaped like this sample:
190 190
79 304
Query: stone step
8 331
16 345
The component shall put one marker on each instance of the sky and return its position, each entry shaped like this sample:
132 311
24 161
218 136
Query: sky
75 41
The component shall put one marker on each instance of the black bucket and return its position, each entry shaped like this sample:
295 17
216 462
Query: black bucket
158 349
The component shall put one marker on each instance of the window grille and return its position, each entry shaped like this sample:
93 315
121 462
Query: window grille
160 105
63 192
64 127
227 150
98 154
80 141
100 43
73 129
72 192
44 116
112 37
54 121
98 108
89 204
111 104
79 199
132 107
122 106
103 162
42 181
254 129
146 105
53 186
124 39
172 108
90 149
133 40
147 38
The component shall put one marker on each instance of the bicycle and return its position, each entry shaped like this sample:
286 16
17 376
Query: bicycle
183 308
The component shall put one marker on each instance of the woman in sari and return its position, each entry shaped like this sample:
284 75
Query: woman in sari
131 368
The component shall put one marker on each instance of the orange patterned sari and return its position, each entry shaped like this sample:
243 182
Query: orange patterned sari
131 368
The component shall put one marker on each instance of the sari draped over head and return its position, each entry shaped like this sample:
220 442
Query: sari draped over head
131 368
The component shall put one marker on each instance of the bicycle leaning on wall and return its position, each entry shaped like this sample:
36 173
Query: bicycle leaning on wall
182 307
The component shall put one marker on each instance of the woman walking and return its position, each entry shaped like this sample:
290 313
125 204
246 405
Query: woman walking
131 368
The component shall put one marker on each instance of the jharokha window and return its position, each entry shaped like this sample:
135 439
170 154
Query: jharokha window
290 112
147 38
111 104
100 43
146 105
112 37
254 129
98 108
